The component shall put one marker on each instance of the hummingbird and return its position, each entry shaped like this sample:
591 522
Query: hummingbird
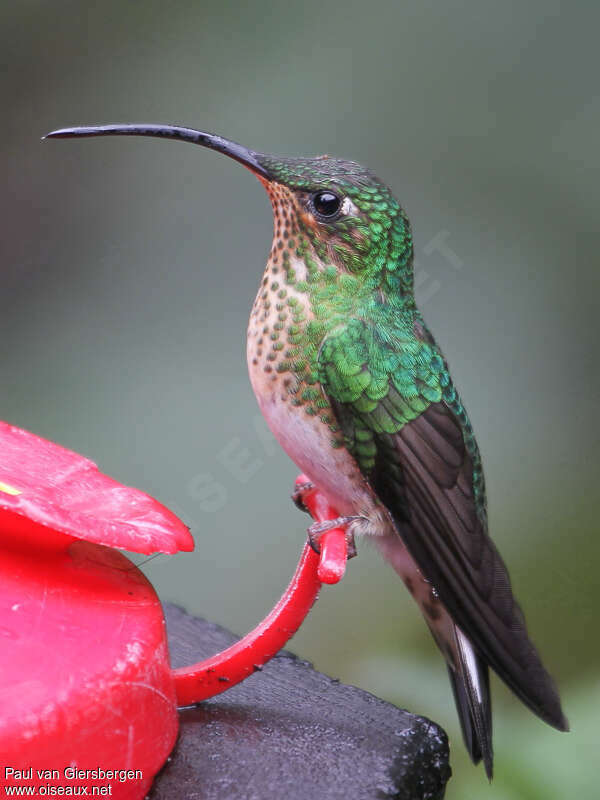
359 395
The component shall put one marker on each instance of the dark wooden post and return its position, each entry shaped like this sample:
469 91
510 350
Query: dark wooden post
291 732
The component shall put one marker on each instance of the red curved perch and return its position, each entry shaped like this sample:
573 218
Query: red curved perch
218 673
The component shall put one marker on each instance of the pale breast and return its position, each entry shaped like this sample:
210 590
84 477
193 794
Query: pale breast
298 413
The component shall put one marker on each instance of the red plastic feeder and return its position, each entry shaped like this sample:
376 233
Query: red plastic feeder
87 694
85 680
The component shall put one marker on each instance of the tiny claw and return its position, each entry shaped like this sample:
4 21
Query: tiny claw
352 552
300 490
313 541
328 536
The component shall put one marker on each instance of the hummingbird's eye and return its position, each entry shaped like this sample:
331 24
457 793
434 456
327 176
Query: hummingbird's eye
326 204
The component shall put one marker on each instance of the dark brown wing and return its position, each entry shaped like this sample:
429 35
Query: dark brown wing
424 475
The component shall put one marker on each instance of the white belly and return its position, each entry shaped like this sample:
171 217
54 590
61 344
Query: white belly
307 441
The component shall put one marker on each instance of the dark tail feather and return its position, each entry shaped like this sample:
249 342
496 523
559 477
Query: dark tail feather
471 687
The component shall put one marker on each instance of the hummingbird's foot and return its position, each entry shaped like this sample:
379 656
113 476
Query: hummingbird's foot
317 529
298 495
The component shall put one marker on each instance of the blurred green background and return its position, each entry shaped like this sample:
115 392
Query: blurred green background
129 267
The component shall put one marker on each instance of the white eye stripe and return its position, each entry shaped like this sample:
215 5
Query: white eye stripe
348 207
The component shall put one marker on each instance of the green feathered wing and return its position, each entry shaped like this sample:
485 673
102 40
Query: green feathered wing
406 427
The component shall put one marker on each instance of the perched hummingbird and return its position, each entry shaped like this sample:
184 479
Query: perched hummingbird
359 395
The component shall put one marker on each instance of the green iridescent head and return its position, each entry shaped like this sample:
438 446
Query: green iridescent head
349 217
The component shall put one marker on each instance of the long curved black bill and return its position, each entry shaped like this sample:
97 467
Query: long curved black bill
232 149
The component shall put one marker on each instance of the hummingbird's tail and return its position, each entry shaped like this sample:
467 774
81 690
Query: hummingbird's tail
468 670
470 681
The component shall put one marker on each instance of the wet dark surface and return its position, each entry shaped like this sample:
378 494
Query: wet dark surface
291 732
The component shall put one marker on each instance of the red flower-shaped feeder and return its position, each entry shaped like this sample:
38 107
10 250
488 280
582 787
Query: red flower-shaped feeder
87 693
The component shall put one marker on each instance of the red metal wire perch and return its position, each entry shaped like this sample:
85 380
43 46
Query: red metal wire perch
222 671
